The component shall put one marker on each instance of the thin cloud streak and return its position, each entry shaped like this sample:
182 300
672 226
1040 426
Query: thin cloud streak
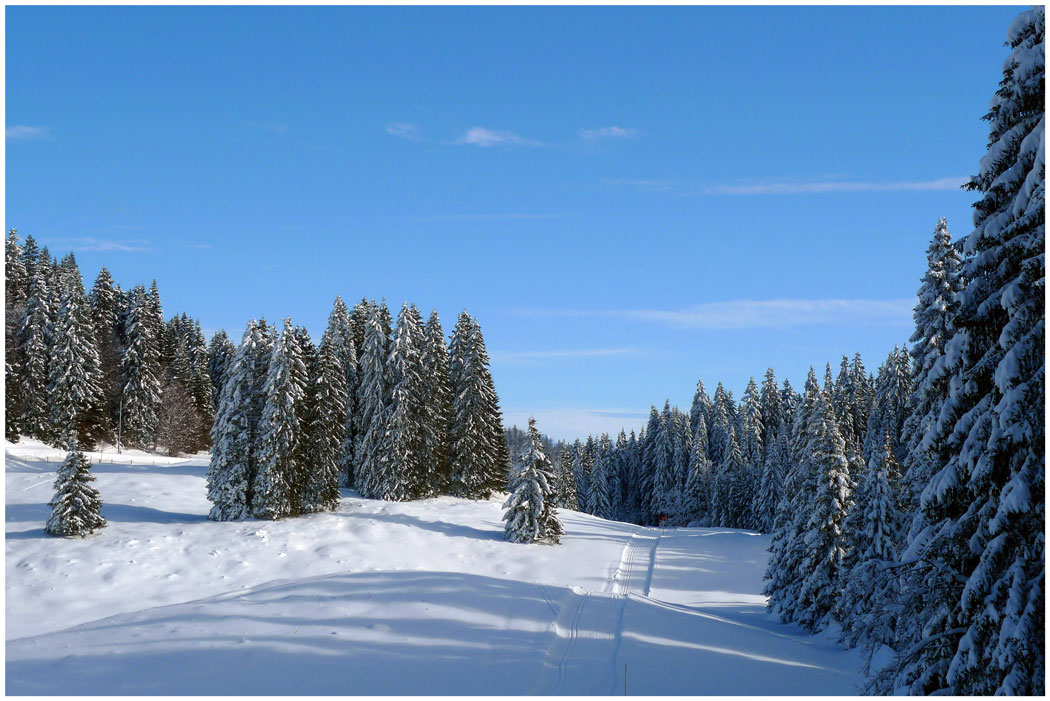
835 186
785 188
608 133
486 138
485 217
534 355
569 423
22 132
751 314
405 130
93 244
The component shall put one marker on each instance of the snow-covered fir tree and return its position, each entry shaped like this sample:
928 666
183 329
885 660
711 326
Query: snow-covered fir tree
477 445
439 402
872 531
934 318
697 496
598 495
823 541
328 422
340 333
273 487
75 374
404 473
220 355
34 344
76 507
233 452
140 373
529 511
976 569
372 402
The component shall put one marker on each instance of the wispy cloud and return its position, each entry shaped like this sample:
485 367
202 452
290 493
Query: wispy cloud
404 130
270 127
485 216
815 188
570 423
608 133
23 132
93 244
644 185
769 313
801 187
480 136
549 354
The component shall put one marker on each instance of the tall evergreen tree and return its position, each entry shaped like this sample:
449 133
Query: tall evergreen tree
438 406
372 403
341 333
140 373
598 496
530 512
75 374
220 355
34 342
977 573
698 483
234 435
76 506
823 541
934 319
274 482
405 474
328 423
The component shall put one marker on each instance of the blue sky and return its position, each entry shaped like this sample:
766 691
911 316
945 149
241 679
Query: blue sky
628 199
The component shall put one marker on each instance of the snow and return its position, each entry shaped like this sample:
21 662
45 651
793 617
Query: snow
379 597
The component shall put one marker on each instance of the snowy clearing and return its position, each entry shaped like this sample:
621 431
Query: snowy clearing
381 598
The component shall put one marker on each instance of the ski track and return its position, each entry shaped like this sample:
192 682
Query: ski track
563 673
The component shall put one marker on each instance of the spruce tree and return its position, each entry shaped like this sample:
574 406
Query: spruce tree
274 484
372 405
341 334
439 402
698 483
233 453
34 343
529 511
934 318
976 571
478 448
76 507
404 472
823 541
598 495
220 355
328 423
872 531
140 373
75 374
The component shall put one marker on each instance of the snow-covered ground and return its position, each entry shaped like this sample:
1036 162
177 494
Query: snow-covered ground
380 598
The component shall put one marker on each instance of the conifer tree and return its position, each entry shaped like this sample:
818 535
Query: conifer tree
598 495
698 483
565 495
34 343
328 422
976 572
140 373
372 405
404 472
934 318
220 355
701 406
341 334
76 507
823 542
75 374
233 453
438 406
872 531
784 571
273 490
529 511
476 432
